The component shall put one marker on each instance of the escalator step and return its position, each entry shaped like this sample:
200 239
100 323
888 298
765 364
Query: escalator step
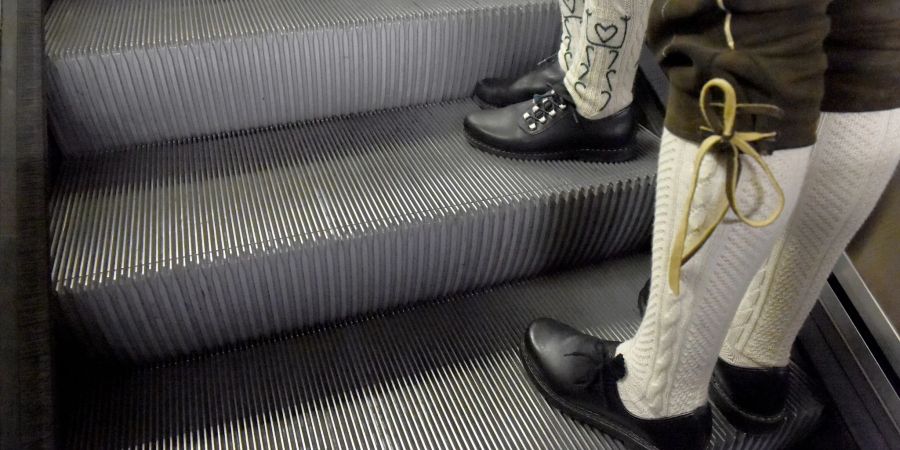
443 375
126 72
174 249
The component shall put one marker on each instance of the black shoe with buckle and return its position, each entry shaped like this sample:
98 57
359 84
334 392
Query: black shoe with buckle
752 399
500 92
547 127
577 374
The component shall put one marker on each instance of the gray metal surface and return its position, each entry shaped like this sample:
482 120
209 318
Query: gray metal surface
173 249
125 72
443 375
870 312
859 385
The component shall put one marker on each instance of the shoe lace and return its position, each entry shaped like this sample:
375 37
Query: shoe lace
545 107
725 139
603 368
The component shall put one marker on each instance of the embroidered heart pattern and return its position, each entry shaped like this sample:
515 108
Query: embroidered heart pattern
606 32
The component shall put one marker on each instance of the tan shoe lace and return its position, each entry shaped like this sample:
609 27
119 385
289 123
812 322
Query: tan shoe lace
723 138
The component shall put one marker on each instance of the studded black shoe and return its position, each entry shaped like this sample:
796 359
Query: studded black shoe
500 92
752 399
547 127
577 374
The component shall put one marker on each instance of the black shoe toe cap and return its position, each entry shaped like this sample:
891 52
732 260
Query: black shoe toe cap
497 129
543 336
563 356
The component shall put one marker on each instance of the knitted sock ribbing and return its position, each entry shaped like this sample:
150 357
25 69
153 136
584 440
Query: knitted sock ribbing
601 74
671 357
572 12
852 162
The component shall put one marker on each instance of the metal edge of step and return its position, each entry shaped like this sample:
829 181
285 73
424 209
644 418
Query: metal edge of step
437 375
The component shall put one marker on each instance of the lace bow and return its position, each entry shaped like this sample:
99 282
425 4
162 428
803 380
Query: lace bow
723 138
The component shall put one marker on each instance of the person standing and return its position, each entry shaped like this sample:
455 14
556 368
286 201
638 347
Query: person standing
781 132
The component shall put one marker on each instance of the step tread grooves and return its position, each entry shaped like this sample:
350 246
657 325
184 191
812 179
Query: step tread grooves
127 24
128 72
349 183
444 375
177 248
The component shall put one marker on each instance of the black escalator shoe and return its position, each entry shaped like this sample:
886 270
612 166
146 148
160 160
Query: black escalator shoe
577 374
752 399
500 92
547 127
643 297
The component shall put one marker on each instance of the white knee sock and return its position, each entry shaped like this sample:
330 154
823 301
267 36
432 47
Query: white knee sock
851 163
601 75
671 357
571 11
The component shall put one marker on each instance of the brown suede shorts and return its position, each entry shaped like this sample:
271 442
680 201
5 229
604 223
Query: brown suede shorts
804 56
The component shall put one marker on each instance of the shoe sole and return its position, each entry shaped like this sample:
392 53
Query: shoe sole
742 420
606 423
611 155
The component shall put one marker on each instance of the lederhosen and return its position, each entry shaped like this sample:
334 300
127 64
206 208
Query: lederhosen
803 56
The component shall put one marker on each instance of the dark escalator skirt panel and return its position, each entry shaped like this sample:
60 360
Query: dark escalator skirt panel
174 249
436 376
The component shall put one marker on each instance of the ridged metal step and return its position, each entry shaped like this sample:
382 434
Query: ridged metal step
436 376
125 72
173 249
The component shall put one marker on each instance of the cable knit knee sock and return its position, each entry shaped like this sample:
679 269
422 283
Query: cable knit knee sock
851 164
600 75
671 357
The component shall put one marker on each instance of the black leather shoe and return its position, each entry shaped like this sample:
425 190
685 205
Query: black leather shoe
577 374
547 127
500 92
751 399
643 297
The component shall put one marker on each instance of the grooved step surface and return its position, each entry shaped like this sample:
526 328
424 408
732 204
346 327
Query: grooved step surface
174 249
444 375
125 72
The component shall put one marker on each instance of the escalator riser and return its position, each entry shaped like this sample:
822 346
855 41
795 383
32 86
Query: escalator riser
180 248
